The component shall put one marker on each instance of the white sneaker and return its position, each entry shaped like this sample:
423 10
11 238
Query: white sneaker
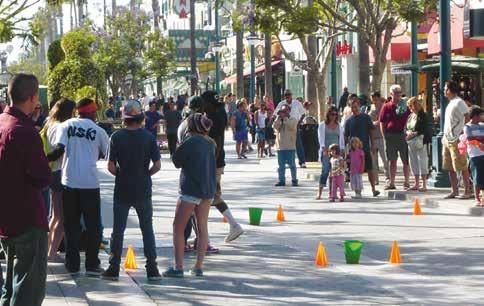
235 232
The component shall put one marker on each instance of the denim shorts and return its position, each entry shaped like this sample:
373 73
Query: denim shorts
190 199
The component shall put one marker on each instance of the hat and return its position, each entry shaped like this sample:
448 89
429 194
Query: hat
212 97
199 123
195 103
132 110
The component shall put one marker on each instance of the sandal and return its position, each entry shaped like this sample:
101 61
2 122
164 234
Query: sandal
465 197
450 196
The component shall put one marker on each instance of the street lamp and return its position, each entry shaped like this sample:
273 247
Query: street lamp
252 40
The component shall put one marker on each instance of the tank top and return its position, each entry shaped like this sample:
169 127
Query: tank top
261 118
331 136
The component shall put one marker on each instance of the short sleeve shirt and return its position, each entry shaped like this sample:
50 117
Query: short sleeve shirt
151 119
84 142
360 126
454 119
474 130
173 120
132 151
392 120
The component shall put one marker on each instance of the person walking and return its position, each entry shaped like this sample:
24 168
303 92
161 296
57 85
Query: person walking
456 115
130 152
374 113
61 111
239 127
260 124
417 144
197 189
173 119
474 133
286 130
297 111
360 125
357 166
330 132
337 173
215 111
152 119
393 117
24 172
83 142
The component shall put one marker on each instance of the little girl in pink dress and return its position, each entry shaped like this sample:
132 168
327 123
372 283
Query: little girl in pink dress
357 166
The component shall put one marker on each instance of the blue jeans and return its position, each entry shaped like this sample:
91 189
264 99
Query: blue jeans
300 148
26 275
144 210
286 157
323 179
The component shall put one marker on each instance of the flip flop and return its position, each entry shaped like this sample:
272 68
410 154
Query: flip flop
465 197
450 196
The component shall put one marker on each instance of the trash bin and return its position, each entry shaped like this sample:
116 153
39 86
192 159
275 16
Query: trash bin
309 137
255 215
353 251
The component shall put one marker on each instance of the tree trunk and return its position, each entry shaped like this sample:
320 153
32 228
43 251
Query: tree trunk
378 69
156 13
159 85
193 50
364 66
268 64
113 8
80 12
320 85
311 84
239 63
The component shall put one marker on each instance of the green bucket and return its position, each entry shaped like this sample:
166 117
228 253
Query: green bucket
353 251
255 215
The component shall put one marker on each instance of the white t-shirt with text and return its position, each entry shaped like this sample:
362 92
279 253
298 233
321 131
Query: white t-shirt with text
84 142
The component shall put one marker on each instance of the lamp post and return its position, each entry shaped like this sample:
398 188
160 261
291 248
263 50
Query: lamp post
440 178
414 76
217 48
252 40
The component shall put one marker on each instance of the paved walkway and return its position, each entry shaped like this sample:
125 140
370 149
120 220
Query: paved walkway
273 264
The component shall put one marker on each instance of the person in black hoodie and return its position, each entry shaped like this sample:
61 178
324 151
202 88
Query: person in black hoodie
215 110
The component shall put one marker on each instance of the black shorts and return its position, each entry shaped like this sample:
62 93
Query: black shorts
56 184
368 161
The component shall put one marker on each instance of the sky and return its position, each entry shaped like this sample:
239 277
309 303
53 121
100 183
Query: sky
95 11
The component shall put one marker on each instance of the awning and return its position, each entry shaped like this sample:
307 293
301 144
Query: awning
457 66
233 78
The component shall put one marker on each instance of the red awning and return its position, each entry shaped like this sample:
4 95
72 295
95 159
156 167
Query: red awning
456 33
233 78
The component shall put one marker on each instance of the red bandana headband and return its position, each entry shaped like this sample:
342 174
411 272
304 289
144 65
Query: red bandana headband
90 108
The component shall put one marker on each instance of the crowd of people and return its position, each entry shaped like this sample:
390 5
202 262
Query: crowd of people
49 166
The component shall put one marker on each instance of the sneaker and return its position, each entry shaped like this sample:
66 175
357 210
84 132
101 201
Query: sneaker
73 272
235 232
376 193
112 273
172 272
212 250
152 273
196 272
303 165
96 271
295 184
280 184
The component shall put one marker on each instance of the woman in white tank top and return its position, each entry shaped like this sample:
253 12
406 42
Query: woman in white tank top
260 121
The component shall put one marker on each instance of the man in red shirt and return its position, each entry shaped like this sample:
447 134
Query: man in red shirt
393 117
24 172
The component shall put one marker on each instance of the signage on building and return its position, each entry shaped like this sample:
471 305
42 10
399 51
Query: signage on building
182 8
474 19
182 43
400 71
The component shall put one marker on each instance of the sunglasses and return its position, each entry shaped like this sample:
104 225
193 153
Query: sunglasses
333 114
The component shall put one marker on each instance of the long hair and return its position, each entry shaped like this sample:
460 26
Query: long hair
61 111
331 109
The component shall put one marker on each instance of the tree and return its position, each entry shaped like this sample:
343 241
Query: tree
375 22
11 18
29 64
120 49
159 56
303 22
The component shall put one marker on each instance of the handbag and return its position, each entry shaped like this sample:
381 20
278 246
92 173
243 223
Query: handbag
416 143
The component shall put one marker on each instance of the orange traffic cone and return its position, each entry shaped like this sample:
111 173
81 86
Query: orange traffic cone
280 214
225 220
130 262
417 211
395 257
321 259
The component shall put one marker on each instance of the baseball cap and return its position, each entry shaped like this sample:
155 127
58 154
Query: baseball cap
132 110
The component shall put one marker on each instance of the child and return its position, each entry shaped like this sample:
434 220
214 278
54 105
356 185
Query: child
474 132
197 190
357 165
260 122
239 128
336 175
